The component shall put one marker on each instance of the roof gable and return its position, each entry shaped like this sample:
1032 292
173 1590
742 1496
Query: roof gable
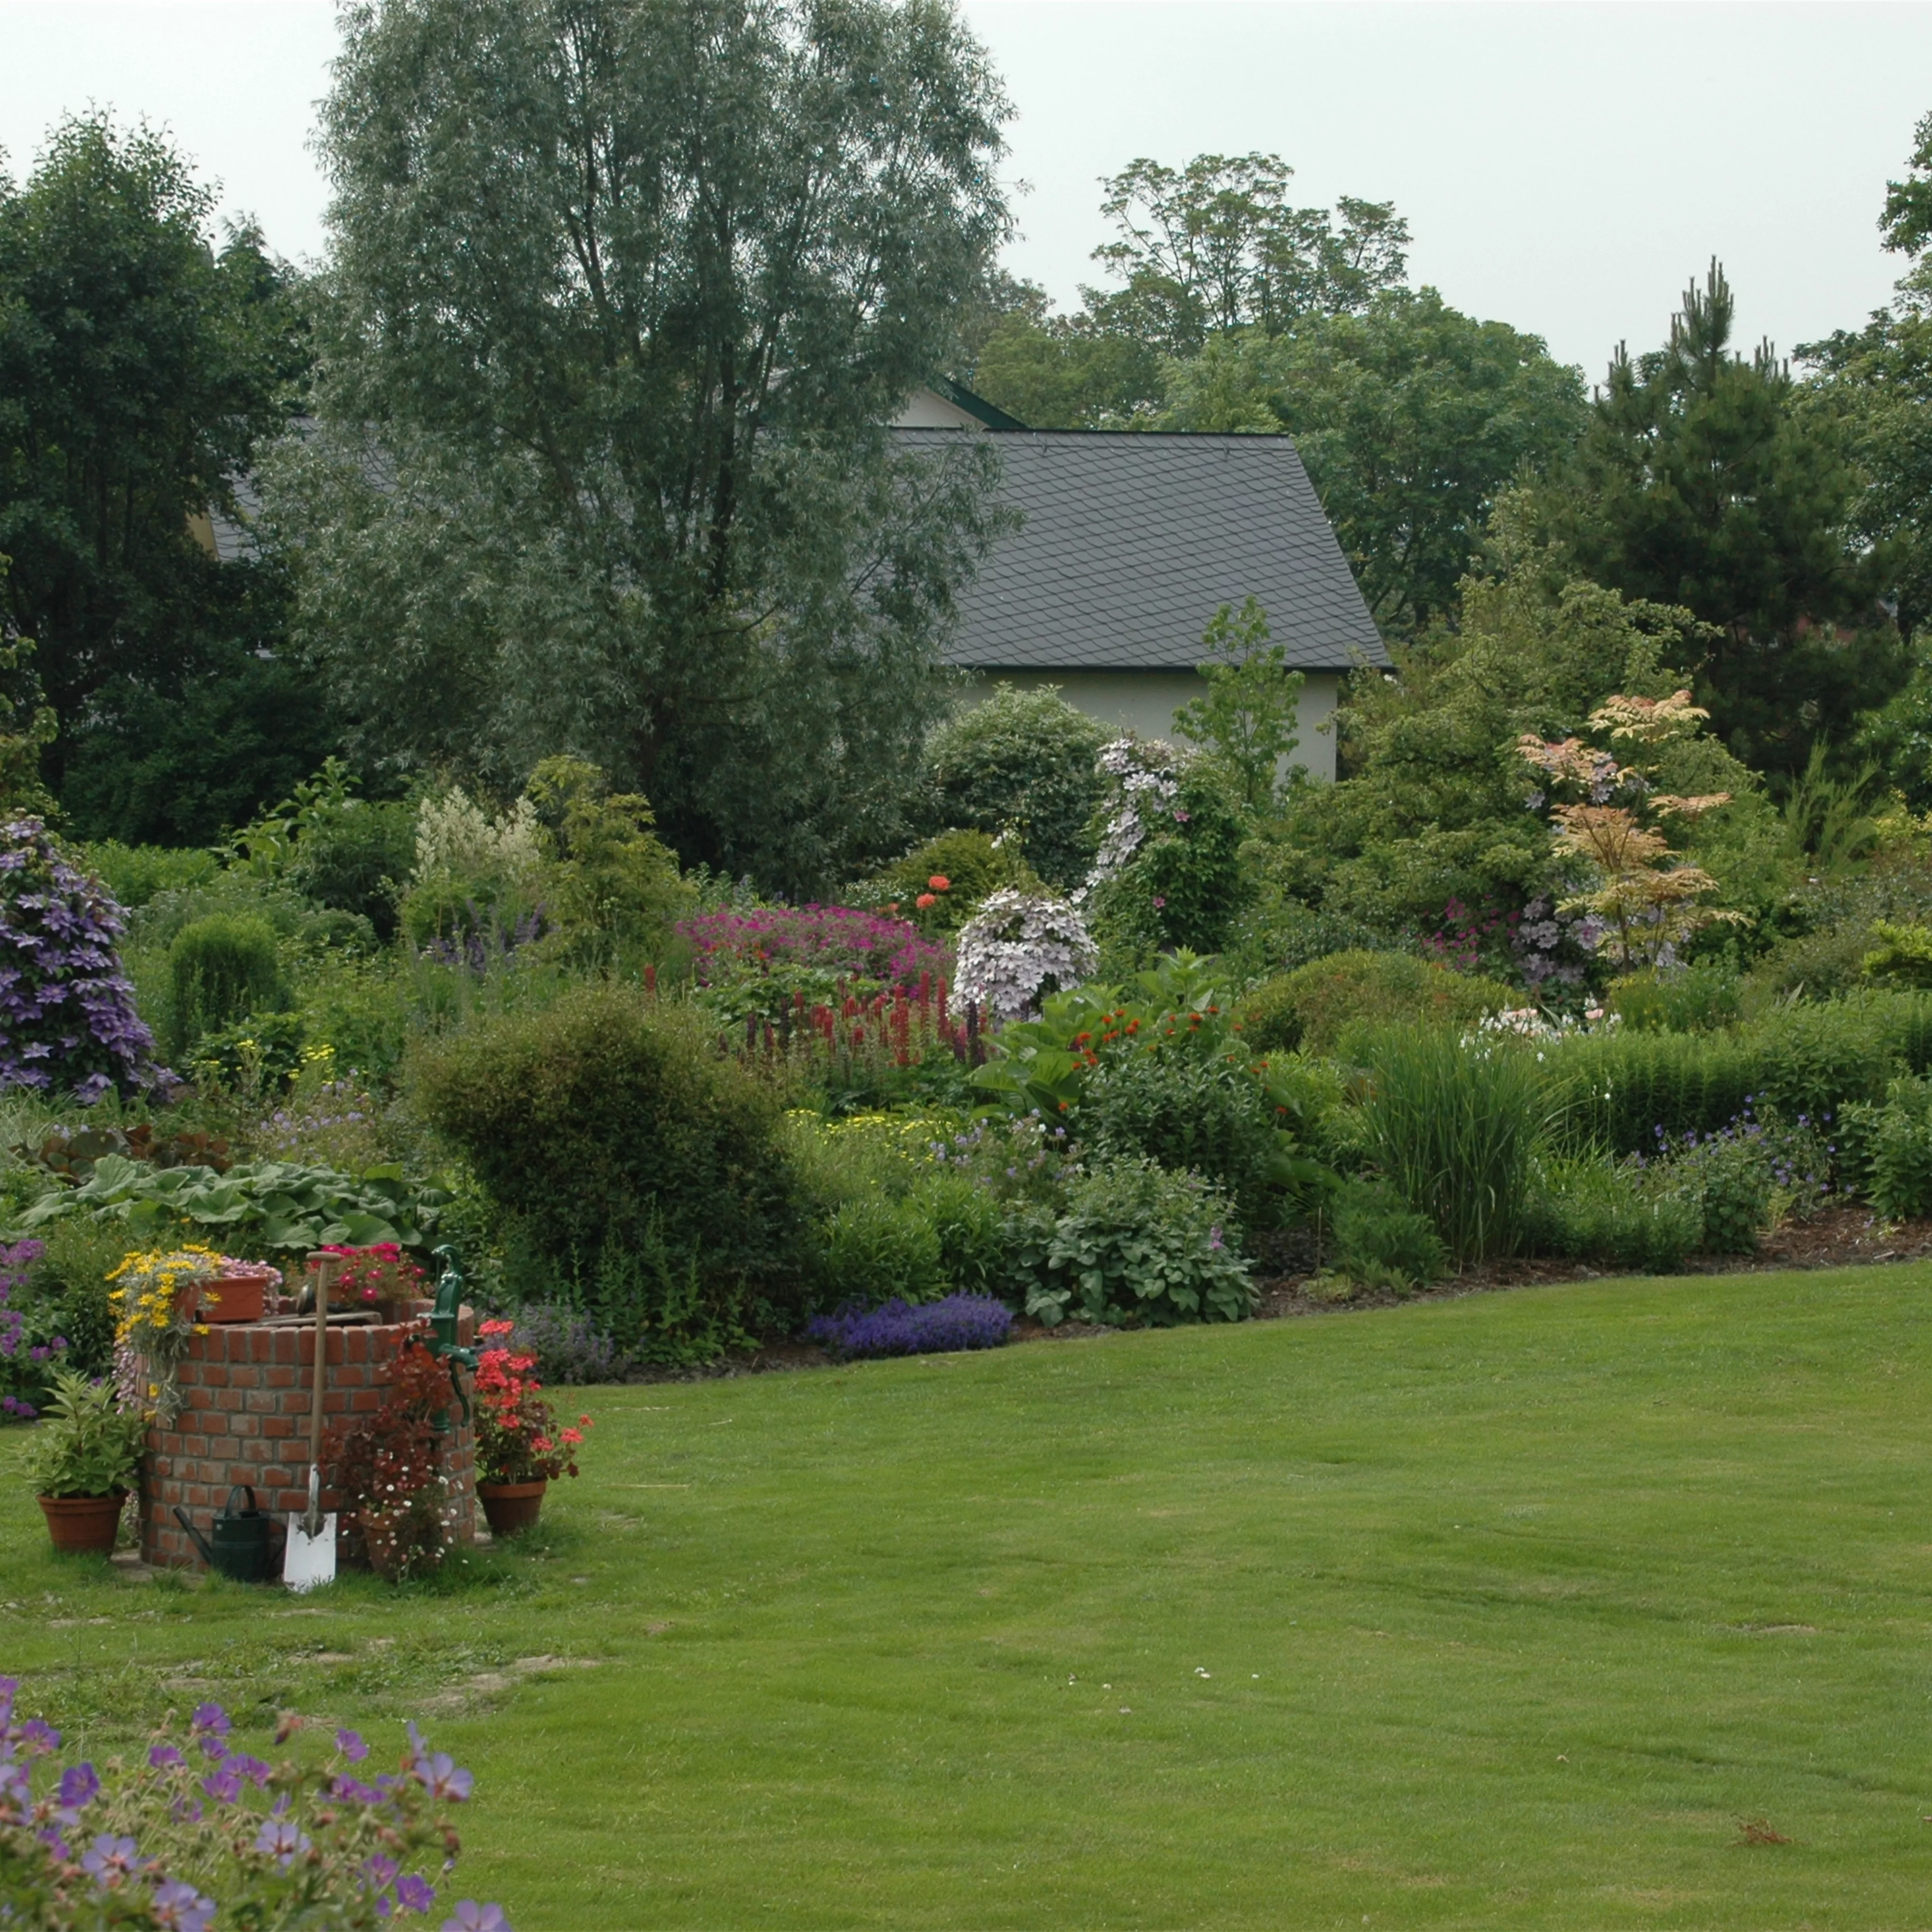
1130 542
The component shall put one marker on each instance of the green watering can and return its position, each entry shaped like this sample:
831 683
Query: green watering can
241 1546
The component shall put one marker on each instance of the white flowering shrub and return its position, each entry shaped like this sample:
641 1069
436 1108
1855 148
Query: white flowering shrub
1019 947
1143 780
456 839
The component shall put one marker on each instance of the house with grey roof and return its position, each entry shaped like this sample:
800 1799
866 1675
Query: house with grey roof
1127 543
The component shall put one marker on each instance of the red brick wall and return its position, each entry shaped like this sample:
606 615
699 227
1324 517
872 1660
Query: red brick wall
246 1391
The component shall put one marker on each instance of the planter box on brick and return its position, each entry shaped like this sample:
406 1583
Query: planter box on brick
245 1392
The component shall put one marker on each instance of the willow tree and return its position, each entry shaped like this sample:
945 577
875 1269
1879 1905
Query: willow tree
622 291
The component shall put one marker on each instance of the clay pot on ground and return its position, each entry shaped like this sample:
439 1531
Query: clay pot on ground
512 1508
83 1524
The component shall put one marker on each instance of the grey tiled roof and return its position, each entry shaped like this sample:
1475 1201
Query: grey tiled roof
1131 541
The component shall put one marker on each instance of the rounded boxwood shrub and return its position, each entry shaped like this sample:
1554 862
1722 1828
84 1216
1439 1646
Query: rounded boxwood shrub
221 969
609 1123
1313 1006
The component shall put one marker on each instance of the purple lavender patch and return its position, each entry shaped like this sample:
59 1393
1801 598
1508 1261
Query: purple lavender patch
932 1328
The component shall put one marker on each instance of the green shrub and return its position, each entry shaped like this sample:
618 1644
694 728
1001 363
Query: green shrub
968 862
605 1116
1891 1145
1281 933
1314 1005
1453 1129
1023 759
1698 999
220 970
1183 887
1617 1090
354 859
1734 1187
1379 1241
1136 1243
1186 1111
970 1224
876 1250
69 1281
655 1306
1614 1214
259 1057
133 874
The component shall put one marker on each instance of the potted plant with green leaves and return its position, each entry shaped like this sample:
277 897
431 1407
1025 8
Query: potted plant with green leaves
84 1457
520 1449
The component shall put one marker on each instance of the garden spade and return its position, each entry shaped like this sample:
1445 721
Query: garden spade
311 1557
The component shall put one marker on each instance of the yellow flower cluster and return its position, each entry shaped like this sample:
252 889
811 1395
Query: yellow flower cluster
145 1304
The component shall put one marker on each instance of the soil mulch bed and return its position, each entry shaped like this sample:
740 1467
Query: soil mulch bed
1845 1236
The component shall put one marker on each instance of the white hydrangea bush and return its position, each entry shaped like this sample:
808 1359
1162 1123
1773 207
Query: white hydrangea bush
1019 947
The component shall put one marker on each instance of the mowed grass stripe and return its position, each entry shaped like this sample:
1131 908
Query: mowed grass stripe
1512 1608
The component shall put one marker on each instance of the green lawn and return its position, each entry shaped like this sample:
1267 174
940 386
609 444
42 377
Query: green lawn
1498 1613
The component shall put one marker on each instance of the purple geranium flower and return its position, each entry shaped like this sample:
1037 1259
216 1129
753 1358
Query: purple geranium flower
282 1839
439 1773
110 1860
179 1907
78 1785
350 1744
414 1893
163 1756
468 1916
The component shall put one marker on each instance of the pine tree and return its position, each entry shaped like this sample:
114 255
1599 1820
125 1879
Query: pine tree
1703 481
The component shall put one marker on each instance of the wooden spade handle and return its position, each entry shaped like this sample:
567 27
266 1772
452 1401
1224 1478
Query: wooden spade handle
325 1268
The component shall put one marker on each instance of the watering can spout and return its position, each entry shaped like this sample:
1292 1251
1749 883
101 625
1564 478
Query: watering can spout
195 1536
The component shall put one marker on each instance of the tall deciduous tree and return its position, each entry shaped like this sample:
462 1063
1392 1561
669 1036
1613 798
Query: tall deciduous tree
1214 246
1218 245
139 365
624 290
1703 481
1875 383
1410 418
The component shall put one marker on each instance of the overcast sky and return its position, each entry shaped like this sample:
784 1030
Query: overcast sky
1565 168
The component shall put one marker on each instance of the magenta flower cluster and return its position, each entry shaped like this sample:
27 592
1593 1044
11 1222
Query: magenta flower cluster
88 1875
68 1021
899 1328
841 940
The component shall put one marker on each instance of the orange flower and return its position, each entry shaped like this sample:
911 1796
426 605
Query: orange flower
940 883
924 900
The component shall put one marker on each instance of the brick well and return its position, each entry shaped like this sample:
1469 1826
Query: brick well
246 1390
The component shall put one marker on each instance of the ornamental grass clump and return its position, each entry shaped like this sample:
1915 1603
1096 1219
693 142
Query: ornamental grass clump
197 1836
68 1021
1453 1126
934 1327
517 1437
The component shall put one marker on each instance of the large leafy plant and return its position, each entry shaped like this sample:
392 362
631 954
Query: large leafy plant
1138 1244
85 1444
266 1204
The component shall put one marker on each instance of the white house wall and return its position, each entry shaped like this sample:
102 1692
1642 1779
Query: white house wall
1146 701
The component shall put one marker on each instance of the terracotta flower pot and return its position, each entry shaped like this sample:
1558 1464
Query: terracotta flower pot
510 1507
241 1296
84 1523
